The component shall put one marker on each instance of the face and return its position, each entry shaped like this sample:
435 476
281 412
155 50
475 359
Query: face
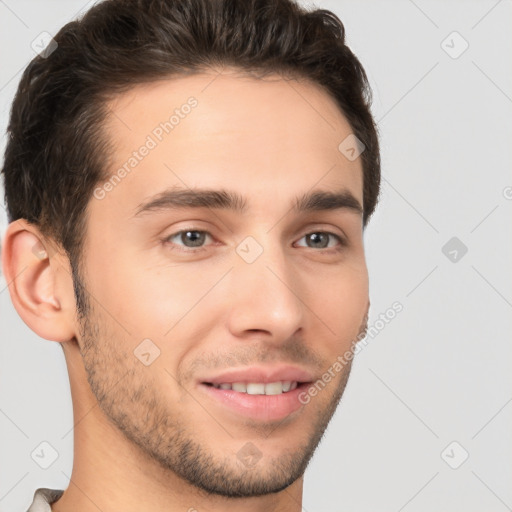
216 292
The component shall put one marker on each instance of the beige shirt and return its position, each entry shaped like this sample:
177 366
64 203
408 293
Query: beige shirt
43 498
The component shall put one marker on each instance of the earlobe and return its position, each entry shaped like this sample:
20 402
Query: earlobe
31 271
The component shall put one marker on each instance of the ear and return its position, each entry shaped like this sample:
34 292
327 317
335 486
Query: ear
39 281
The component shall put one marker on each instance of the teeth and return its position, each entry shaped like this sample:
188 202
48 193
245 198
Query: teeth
259 388
255 389
241 387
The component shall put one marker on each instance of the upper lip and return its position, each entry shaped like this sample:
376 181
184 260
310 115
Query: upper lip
263 374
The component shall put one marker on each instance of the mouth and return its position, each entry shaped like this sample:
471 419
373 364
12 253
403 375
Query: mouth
262 402
258 388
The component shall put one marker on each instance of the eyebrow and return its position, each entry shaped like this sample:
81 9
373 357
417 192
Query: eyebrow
176 198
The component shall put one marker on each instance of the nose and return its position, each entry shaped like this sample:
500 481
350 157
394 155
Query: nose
266 296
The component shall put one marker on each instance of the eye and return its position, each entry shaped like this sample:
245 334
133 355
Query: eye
320 240
191 239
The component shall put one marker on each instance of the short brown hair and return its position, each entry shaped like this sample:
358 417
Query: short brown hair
55 152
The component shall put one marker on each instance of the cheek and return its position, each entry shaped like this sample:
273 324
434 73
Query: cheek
169 304
342 304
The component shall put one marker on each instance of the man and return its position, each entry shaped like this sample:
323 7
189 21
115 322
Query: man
188 185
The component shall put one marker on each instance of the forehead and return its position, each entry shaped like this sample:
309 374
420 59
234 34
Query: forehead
263 136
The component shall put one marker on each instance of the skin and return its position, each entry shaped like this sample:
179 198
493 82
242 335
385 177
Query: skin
145 437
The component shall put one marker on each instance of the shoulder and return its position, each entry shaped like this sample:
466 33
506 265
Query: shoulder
43 498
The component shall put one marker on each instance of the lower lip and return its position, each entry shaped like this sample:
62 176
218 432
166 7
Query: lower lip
258 407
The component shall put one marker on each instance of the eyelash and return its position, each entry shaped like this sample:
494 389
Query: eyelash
174 247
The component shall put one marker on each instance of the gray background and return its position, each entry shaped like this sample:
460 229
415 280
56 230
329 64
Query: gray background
439 372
